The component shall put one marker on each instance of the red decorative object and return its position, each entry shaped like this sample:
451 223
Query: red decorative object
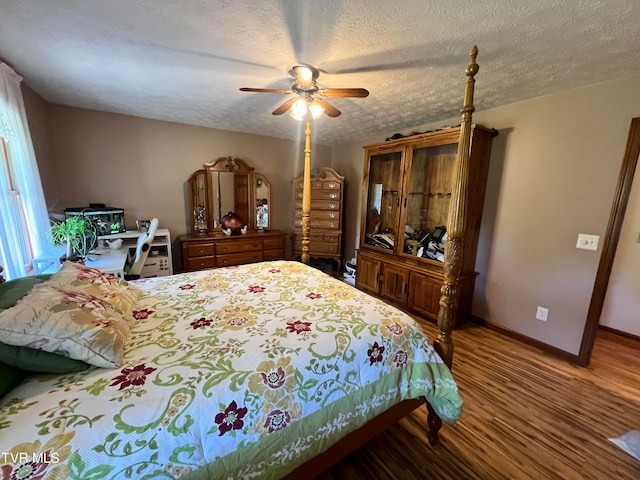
232 221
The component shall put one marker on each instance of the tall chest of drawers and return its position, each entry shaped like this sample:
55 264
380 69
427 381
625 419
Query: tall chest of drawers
325 236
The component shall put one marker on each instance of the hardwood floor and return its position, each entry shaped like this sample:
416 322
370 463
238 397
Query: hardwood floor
527 415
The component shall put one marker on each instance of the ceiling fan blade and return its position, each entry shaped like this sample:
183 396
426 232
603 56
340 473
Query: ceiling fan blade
284 107
266 90
329 109
344 92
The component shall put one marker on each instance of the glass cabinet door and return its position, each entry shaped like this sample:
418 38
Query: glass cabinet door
383 200
427 198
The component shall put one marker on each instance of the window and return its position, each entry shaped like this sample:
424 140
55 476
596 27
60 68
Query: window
14 217
23 212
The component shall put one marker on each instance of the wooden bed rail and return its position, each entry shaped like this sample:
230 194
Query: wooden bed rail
449 292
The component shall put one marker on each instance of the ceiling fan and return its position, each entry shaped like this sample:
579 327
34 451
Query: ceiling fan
306 88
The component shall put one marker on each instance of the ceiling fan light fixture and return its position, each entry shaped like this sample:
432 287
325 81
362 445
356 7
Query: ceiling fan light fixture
299 109
304 74
316 110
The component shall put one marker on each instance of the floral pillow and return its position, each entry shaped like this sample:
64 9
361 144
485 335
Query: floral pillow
67 322
116 291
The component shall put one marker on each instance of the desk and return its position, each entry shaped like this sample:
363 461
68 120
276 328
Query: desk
113 261
109 261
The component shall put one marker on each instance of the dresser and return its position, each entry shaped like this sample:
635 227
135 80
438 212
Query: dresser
216 249
327 199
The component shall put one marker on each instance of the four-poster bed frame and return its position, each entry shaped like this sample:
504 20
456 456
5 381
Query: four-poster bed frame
449 291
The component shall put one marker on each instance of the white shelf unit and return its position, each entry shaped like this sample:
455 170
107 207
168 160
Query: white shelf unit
159 262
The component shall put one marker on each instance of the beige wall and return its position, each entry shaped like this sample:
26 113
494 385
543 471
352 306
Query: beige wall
142 165
554 168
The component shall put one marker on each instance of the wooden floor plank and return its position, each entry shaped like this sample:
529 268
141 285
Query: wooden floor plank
527 415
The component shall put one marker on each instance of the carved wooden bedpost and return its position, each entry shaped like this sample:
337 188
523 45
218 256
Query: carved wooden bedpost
449 293
306 197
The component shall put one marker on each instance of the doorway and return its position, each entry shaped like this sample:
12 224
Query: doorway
610 244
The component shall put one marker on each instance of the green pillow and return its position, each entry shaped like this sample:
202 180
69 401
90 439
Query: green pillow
9 378
14 290
32 360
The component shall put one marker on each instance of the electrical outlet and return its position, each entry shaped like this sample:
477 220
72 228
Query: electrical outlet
542 313
588 242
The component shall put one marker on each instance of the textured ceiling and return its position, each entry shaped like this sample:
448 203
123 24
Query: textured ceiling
184 60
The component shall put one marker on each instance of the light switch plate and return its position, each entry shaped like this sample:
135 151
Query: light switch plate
588 242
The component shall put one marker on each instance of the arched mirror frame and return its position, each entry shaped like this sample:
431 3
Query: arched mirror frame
245 180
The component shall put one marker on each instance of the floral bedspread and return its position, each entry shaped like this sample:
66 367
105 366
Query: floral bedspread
240 372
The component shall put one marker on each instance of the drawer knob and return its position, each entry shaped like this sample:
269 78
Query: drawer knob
333 195
332 205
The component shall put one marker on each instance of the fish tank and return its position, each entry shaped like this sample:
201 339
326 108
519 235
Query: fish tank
107 220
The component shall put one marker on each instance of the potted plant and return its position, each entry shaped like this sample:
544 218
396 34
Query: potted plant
77 233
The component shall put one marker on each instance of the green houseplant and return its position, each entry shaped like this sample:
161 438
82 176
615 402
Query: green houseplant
77 233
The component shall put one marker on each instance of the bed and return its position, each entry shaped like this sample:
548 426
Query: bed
239 372
267 370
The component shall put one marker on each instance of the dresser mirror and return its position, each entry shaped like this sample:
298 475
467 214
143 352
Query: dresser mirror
198 197
263 201
228 185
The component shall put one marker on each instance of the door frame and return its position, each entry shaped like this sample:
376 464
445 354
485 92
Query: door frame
610 244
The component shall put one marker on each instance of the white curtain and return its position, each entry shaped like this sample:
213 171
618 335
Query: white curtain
25 202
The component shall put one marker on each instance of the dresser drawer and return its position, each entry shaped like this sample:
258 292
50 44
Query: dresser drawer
331 185
313 237
320 195
316 247
273 243
199 263
320 205
238 259
199 249
238 246
321 214
319 223
273 254
331 238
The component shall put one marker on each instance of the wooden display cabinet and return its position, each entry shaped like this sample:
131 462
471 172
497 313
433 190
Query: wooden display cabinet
406 196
